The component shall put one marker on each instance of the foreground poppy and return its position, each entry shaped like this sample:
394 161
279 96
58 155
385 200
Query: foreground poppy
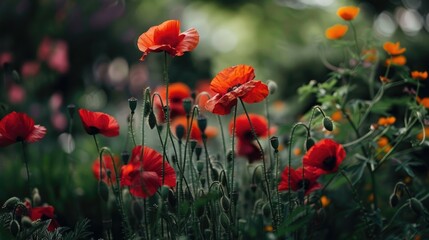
145 180
336 32
348 13
177 92
43 213
308 183
107 165
393 48
167 37
19 127
233 83
326 156
98 122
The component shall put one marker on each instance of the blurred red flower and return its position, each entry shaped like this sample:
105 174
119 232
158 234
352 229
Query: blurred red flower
177 92
98 122
297 181
243 129
232 83
108 165
18 127
145 177
326 156
42 213
167 37
210 131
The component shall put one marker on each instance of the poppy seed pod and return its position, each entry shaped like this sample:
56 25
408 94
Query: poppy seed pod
71 109
266 210
202 123
309 142
132 103
224 221
272 86
275 143
152 120
14 227
187 105
200 166
193 143
180 132
198 151
125 156
328 124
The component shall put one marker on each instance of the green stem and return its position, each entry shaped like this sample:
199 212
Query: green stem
233 158
355 38
24 156
267 114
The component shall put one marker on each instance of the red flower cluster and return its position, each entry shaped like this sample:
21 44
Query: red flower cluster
19 127
323 158
177 92
98 122
144 177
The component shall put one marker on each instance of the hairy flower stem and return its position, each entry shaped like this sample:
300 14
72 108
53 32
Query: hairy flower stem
267 183
166 112
25 158
131 130
267 114
279 211
223 136
355 38
232 160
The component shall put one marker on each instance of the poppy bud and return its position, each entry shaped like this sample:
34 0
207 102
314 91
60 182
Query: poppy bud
417 206
203 181
152 120
103 190
132 103
14 228
193 144
147 108
225 203
393 200
26 222
202 123
200 210
71 108
200 166
137 210
11 203
275 143
187 105
198 151
272 86
230 156
180 132
266 210
224 221
125 157
309 142
328 124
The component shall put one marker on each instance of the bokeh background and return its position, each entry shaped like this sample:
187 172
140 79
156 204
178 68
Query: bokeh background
85 53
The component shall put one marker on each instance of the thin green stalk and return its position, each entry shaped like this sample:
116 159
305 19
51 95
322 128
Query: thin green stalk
233 159
267 115
131 129
223 136
355 38
24 156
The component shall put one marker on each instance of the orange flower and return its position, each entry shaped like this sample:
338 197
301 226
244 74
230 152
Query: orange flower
370 55
297 151
348 13
177 92
420 135
386 121
233 83
393 48
336 32
382 142
419 75
325 201
384 79
167 37
423 101
396 60
337 116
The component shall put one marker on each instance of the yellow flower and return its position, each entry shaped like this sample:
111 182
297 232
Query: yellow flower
336 32
348 13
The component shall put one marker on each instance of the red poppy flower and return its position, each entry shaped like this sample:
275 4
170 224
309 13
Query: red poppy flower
243 130
326 155
167 37
177 92
146 182
107 165
18 127
232 83
249 150
42 213
98 122
297 182
210 131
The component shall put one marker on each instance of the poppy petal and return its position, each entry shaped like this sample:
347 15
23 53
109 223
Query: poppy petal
189 42
38 133
231 77
258 93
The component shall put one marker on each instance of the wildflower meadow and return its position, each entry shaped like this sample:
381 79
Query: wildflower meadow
214 120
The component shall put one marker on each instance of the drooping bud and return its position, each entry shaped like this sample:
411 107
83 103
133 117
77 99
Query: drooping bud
275 143
132 103
147 108
14 228
328 124
224 221
103 191
125 157
11 203
202 123
417 206
187 105
193 143
71 109
180 132
152 120
225 203
272 86
393 200
309 142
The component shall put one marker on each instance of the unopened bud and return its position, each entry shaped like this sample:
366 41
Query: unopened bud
203 182
224 221
275 143
193 144
202 123
198 151
11 203
103 190
200 166
328 124
132 103
152 120
272 86
309 142
14 228
180 131
266 210
187 105
225 203
125 157
147 108
393 200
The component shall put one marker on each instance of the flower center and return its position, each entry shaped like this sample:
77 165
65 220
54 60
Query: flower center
19 139
93 130
233 87
329 163
304 184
